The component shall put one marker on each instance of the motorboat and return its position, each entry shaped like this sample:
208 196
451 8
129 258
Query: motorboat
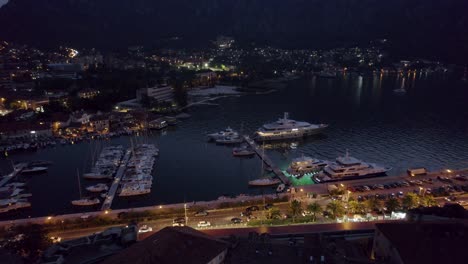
281 188
286 128
243 151
32 170
230 140
86 201
100 187
264 182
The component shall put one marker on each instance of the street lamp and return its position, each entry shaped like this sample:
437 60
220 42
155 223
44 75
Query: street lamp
185 211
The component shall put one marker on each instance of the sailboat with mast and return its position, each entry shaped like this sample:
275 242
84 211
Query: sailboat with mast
84 201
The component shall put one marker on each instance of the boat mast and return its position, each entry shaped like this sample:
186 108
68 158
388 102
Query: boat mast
78 178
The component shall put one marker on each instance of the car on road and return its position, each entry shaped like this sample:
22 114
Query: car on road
204 224
56 239
246 213
236 220
201 213
180 221
252 208
145 229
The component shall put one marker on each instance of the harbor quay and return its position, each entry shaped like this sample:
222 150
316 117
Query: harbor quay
208 205
295 192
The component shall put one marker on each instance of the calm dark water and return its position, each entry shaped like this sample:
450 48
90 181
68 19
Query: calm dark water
426 127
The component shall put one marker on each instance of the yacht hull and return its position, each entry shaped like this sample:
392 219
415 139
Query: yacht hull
347 178
291 135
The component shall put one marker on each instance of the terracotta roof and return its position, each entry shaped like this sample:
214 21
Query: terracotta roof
428 242
172 245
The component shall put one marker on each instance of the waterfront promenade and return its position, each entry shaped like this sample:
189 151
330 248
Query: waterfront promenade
106 205
261 154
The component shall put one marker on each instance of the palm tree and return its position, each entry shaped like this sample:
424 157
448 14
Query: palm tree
353 206
411 200
314 208
274 213
392 204
336 209
295 207
428 201
373 204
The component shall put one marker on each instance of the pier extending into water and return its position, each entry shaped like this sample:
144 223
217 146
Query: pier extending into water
115 183
16 169
267 160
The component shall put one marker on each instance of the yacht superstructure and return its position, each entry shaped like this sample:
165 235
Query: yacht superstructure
347 168
304 165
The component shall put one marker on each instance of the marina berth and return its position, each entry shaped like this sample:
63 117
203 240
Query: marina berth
286 128
137 179
107 163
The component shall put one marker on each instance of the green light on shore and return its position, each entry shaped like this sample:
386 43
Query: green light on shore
304 180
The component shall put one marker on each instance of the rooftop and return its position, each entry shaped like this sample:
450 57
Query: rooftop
172 245
428 242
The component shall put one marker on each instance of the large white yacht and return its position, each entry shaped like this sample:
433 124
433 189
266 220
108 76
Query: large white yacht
286 128
348 168
304 165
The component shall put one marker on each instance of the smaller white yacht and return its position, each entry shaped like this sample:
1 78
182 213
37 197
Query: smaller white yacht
264 182
304 165
86 201
230 140
228 132
100 187
349 168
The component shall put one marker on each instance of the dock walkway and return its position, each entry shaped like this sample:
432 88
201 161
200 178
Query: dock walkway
12 174
115 184
267 160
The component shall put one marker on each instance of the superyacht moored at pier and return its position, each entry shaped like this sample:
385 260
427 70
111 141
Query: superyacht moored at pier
349 168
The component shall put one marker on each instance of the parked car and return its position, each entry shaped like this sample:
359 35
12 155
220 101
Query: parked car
201 213
236 220
56 239
204 224
246 213
145 229
252 208
178 222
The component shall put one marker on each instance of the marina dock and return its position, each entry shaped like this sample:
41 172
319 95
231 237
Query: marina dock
115 184
267 161
12 174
